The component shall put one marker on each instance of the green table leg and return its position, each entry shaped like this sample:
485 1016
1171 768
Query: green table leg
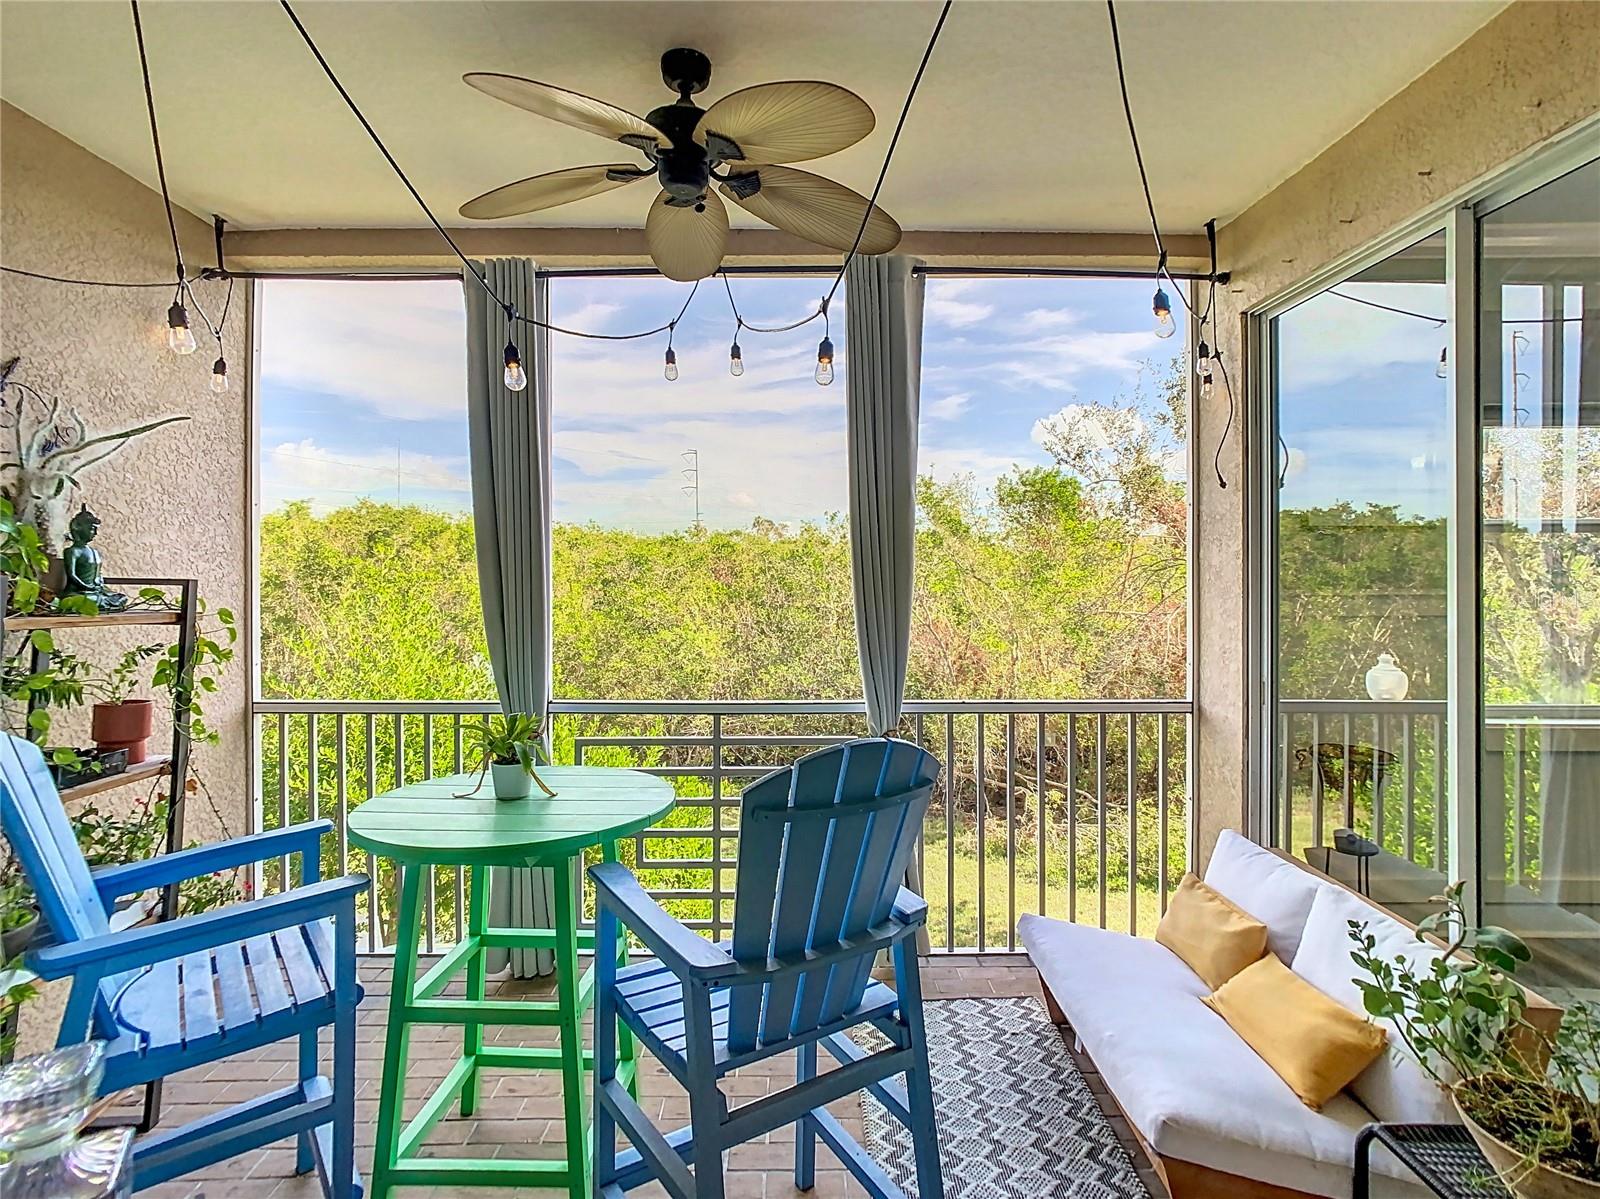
391 1104
472 1034
573 1081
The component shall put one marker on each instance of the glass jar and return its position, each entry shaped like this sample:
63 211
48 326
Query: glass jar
44 1100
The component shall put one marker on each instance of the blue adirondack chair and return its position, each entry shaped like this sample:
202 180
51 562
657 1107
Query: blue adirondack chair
199 988
823 845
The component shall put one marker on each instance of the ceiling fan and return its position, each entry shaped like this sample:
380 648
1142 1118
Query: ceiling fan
740 143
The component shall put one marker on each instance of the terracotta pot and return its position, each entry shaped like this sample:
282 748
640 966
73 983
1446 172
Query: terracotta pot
510 782
124 726
1527 1181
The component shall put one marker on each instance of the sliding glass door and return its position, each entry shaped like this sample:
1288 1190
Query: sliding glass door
1539 583
1357 502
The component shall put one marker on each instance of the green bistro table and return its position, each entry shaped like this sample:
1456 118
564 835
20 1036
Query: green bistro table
425 825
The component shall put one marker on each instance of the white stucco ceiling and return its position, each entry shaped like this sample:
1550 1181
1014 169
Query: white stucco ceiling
1018 124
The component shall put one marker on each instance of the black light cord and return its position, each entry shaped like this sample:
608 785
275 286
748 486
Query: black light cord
155 141
1133 135
905 111
17 270
1437 321
1216 462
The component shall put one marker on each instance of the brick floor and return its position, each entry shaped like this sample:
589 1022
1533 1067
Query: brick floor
520 1114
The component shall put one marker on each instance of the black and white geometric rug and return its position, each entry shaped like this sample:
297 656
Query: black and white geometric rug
1016 1120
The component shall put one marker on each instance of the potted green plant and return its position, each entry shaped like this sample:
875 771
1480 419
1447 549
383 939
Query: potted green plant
119 720
508 749
1525 1095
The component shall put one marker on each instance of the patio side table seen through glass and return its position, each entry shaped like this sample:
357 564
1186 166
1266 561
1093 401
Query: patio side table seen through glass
425 825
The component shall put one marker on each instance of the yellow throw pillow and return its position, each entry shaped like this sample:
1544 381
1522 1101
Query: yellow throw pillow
1215 938
1315 1044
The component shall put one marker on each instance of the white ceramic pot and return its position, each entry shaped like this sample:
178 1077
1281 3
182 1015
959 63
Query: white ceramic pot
510 782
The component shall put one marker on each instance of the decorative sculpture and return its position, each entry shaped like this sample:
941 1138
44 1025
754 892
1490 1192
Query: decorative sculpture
82 565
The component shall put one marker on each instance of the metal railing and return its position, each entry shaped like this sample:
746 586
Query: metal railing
1076 809
1379 767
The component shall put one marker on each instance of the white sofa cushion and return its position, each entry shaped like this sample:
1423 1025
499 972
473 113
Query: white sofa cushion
1394 1088
1275 892
1192 1088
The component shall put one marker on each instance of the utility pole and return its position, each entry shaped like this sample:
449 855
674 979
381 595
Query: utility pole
692 488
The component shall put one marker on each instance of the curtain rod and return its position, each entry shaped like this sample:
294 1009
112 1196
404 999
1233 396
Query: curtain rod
609 272
618 272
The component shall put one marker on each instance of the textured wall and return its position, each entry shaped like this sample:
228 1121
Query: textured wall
1526 76
173 503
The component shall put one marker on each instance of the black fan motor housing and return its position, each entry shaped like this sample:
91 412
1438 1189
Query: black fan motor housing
685 71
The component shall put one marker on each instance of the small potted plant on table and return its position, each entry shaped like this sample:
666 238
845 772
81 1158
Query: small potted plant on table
508 748
1525 1095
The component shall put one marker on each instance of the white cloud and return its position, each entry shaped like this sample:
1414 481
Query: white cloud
947 407
1101 427
1038 319
399 348
304 470
947 310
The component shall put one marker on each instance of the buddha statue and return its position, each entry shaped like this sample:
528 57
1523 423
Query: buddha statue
82 567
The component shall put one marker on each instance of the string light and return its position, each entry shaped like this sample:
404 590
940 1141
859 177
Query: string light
516 379
180 338
1442 371
1207 387
670 371
735 358
1161 306
824 372
219 375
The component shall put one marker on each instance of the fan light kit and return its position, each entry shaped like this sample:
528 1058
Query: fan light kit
740 144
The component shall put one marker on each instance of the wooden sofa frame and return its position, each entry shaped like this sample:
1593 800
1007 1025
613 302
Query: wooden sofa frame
1189 1180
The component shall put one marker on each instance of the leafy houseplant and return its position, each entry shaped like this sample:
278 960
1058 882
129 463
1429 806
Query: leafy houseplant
119 720
509 747
1522 1092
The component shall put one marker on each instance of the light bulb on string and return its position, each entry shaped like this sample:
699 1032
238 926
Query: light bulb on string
219 375
1161 306
180 339
824 373
670 372
735 361
515 377
1442 371
1206 370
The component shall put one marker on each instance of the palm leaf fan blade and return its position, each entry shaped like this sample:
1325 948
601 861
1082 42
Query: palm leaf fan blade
784 122
685 244
570 108
547 191
818 210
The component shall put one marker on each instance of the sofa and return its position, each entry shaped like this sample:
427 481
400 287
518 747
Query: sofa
1216 1121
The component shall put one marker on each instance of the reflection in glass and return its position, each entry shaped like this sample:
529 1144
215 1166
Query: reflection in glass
1362 493
1539 390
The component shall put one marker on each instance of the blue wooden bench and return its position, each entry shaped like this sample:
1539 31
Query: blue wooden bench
823 846
201 988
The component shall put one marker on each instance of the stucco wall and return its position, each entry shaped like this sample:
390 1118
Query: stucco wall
1524 78
173 503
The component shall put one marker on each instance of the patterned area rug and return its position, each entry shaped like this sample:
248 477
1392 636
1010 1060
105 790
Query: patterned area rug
1016 1119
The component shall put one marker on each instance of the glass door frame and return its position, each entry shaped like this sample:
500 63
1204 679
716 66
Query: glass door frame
1458 220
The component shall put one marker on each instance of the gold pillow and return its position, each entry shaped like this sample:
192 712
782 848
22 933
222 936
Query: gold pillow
1314 1043
1214 937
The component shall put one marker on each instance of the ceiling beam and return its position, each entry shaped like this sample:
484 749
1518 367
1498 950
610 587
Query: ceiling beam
347 249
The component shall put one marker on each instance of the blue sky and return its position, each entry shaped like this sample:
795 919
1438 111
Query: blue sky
363 391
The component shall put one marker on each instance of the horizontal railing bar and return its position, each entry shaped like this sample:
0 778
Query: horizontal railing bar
732 707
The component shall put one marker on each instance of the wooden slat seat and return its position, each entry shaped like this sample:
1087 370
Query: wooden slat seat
218 1002
650 999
